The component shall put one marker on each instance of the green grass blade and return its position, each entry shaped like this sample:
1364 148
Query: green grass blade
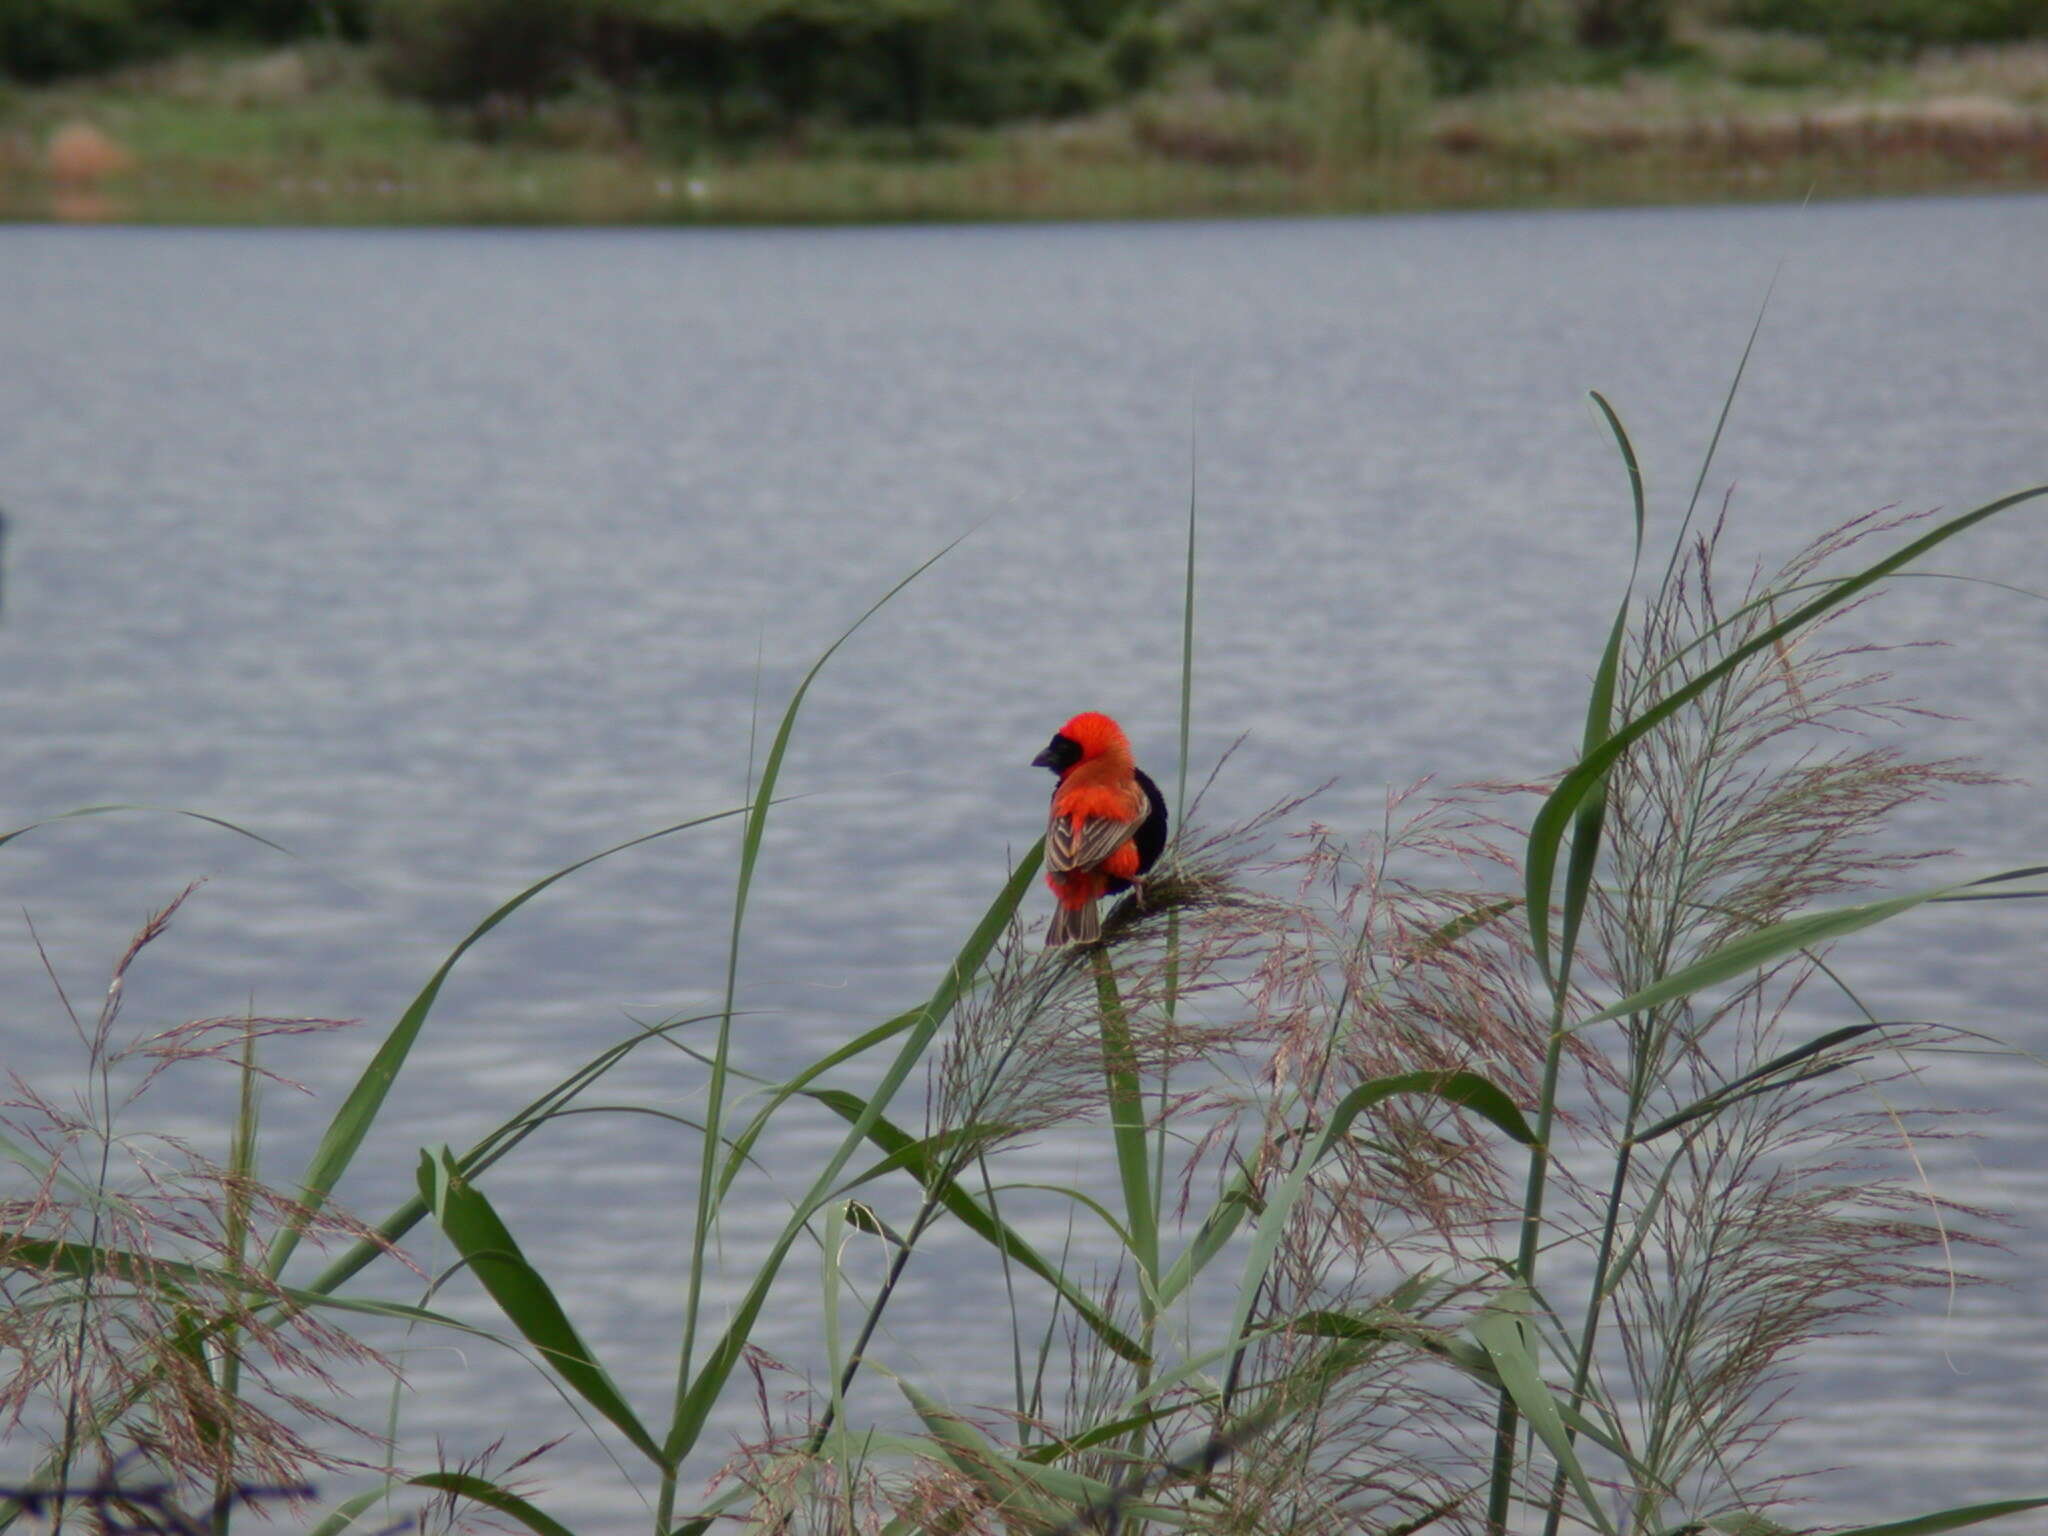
1127 1127
1474 1361
1637 501
88 1261
1101 1434
796 1086
1714 442
1465 924
832 1282
695 1405
1588 820
915 1158
40 1169
1027 1494
1187 650
1555 816
1753 1081
489 1148
351 1123
503 1500
1014 1501
1467 1090
485 1243
1218 1227
349 1511
1592 814
1754 950
156 810
171 1277
1948 1519
1500 1330
711 1187
1645 1223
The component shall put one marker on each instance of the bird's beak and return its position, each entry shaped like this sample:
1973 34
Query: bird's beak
1043 760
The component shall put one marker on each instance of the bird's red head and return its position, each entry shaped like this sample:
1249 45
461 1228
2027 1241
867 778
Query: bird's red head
1082 739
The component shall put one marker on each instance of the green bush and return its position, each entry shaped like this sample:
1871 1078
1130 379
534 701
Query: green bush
1894 25
771 65
469 53
1634 28
1361 89
1098 19
1243 45
1137 52
268 20
1473 43
993 59
45 39
1219 128
1776 60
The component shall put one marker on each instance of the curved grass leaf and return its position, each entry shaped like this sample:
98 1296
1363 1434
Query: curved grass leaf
1127 1127
159 810
86 1261
712 1185
162 1276
503 1500
1100 1434
1754 950
41 1168
1028 1494
522 1295
1591 818
1757 1080
1467 923
784 1092
351 1123
1467 1090
1546 832
1588 825
915 1158
489 1148
1218 1227
696 1402
1500 1330
1015 1501
1455 1352
349 1511
1948 1519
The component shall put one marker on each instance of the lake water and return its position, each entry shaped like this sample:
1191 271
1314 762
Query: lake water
447 558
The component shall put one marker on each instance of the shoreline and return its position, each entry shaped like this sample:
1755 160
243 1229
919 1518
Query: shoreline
275 141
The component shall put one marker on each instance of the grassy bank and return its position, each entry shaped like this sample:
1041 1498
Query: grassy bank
304 136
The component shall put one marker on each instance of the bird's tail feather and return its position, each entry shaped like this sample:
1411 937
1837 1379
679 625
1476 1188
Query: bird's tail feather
1074 925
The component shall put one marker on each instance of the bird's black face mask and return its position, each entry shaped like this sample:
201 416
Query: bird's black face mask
1060 754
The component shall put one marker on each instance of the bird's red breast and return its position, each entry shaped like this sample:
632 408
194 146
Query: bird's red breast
1100 833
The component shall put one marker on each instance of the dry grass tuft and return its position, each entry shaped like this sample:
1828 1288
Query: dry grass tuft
140 1320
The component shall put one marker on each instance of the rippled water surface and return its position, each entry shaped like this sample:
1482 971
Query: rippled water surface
444 559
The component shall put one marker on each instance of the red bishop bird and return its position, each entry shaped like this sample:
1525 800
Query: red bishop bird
1107 826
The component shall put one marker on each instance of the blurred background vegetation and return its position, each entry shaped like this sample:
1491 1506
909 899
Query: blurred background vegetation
1288 85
